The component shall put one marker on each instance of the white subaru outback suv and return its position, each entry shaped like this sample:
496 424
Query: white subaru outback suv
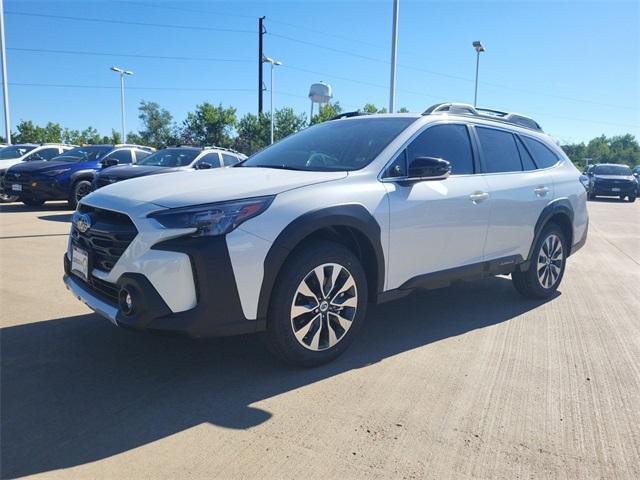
300 237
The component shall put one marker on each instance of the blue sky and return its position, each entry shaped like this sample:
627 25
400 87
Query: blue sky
573 66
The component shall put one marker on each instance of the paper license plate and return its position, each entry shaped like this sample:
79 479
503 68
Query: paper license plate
615 189
16 187
80 263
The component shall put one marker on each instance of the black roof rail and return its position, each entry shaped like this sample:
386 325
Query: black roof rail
466 109
348 115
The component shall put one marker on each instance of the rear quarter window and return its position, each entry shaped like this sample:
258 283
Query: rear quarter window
542 155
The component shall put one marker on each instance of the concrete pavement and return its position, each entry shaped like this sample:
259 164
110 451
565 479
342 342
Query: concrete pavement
472 381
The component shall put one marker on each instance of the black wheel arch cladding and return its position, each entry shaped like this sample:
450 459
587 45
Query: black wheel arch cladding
354 217
559 212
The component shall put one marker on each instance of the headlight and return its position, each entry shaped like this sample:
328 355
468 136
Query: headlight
53 173
213 218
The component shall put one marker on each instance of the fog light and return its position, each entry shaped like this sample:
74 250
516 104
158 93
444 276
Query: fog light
126 302
34 184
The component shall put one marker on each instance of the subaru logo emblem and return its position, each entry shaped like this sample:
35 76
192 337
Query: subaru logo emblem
82 221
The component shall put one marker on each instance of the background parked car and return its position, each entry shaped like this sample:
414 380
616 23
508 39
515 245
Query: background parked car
172 159
636 174
26 152
68 176
612 180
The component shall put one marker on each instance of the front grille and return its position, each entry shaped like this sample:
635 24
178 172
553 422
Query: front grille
23 179
108 290
613 183
108 237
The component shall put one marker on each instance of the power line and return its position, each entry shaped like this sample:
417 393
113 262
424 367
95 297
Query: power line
182 89
132 55
126 22
183 9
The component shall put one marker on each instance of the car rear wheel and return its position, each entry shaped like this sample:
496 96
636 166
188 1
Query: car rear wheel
318 304
548 262
81 189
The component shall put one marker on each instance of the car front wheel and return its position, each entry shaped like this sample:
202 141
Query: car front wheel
318 304
548 262
81 189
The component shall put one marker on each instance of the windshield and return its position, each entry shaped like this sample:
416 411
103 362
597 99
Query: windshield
612 170
336 145
15 151
171 157
83 154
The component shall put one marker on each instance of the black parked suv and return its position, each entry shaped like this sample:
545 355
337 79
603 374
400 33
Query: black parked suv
611 180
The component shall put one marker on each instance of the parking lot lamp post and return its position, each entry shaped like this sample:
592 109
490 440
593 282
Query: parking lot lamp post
122 74
479 48
273 64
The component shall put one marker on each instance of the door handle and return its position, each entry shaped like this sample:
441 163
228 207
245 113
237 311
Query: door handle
541 191
478 197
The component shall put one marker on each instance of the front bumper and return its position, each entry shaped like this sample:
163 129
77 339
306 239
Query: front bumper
37 189
615 190
217 312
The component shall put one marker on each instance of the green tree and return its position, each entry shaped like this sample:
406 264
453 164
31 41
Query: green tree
327 112
210 125
371 108
287 122
403 110
28 132
253 133
157 124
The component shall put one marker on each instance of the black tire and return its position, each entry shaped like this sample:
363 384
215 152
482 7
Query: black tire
80 189
300 266
33 203
631 198
529 283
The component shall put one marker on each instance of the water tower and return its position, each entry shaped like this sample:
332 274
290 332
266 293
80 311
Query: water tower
319 93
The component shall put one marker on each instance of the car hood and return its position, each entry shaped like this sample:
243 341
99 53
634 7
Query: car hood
614 177
122 172
39 165
8 162
195 187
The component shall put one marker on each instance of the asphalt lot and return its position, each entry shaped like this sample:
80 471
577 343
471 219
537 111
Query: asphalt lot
472 381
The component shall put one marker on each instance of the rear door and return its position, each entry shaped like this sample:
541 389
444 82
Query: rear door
438 224
519 192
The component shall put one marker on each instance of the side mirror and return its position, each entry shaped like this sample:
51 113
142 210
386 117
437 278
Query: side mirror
428 168
204 166
109 162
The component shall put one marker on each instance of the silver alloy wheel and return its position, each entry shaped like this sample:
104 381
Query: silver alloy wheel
7 198
324 307
549 265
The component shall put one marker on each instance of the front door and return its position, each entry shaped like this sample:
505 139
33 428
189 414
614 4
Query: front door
439 224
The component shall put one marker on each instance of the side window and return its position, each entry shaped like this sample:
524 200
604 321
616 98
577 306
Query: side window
229 160
211 158
527 161
140 154
542 155
499 150
44 154
449 142
123 156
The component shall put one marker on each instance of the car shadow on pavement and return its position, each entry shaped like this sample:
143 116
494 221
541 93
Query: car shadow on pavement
77 389
47 207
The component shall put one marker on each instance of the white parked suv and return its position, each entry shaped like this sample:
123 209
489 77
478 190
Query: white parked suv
300 237
25 152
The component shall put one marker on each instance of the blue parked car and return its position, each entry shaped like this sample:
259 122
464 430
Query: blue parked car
69 176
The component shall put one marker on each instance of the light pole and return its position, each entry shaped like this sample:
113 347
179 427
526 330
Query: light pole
479 48
5 85
394 51
122 74
273 64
